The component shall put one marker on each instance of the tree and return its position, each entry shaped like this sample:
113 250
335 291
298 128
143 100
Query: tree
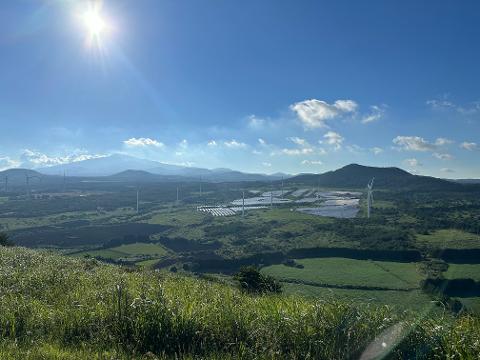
4 240
252 280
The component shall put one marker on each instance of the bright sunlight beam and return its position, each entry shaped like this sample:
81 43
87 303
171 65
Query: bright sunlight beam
95 24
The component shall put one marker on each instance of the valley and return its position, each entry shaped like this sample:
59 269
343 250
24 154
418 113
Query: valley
413 233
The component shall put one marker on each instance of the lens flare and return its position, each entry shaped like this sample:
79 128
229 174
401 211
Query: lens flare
95 25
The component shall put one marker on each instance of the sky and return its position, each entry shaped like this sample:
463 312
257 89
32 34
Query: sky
254 85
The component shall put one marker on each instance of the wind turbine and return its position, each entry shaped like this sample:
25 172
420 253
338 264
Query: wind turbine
27 181
6 183
271 195
243 203
369 196
282 187
137 198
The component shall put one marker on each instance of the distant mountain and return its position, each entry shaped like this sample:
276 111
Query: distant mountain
118 164
103 166
466 181
18 176
357 176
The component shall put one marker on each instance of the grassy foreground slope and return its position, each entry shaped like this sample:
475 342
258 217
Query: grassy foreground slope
54 307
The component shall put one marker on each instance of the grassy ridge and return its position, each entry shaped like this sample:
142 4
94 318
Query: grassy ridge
56 307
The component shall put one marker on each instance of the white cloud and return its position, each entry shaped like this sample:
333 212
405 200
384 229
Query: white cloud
443 156
472 109
262 142
334 139
447 170
412 162
443 141
376 113
355 149
298 141
440 104
143 142
183 144
444 104
212 143
35 159
256 152
470 146
234 144
254 122
312 162
8 163
315 113
376 150
413 143
321 151
295 152
266 164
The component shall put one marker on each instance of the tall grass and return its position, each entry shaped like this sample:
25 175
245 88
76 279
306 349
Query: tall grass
56 307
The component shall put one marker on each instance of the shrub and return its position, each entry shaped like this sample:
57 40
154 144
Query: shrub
4 240
252 280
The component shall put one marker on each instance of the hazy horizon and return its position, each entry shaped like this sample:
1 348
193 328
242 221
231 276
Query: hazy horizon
261 87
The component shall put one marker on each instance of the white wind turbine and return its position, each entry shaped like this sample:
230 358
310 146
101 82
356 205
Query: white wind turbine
369 197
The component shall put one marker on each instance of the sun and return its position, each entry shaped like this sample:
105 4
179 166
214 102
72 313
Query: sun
94 23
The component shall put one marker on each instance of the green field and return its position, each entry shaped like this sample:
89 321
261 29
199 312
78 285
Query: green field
414 300
141 249
349 272
147 263
463 271
104 253
449 239
472 303
126 251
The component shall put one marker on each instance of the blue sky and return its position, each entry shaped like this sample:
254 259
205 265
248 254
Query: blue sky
260 86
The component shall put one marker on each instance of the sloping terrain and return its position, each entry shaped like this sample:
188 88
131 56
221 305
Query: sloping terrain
62 308
358 176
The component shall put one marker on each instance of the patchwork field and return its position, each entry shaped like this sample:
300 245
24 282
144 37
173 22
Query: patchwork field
452 239
414 300
141 249
126 251
463 271
349 272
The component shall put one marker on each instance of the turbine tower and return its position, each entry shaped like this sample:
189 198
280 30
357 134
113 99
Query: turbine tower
137 199
243 203
27 181
6 183
282 187
369 197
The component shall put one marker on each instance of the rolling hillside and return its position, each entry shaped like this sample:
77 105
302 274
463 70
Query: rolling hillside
119 163
89 310
357 176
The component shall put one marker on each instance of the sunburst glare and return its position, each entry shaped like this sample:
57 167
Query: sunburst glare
95 24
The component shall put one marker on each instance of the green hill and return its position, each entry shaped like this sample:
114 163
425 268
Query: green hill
357 176
53 307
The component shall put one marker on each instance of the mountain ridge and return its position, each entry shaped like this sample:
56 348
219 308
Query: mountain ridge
358 176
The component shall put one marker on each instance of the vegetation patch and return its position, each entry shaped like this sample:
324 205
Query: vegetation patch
350 272
463 271
104 311
449 239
